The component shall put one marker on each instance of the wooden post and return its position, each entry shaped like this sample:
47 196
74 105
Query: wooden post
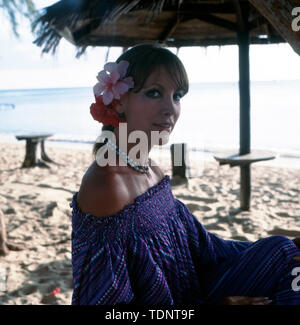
244 89
245 195
179 155
44 156
30 157
244 85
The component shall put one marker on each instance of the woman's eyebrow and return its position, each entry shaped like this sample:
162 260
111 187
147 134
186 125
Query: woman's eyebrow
180 89
154 84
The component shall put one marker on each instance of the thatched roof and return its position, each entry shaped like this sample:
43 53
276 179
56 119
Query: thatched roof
279 14
174 23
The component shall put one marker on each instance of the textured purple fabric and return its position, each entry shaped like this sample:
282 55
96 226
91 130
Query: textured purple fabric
155 252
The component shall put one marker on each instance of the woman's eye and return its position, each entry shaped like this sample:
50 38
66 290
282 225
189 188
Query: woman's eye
153 93
177 97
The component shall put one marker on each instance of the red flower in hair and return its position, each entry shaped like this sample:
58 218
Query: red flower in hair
105 114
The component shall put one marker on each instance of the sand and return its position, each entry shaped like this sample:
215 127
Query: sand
35 203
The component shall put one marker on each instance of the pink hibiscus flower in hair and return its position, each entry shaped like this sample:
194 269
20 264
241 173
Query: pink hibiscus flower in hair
112 83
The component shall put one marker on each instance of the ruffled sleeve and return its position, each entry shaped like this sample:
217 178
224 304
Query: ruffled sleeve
114 258
100 274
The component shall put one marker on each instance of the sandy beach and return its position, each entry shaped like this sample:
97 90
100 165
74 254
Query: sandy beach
35 203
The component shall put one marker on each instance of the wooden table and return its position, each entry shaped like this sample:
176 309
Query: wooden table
32 141
244 161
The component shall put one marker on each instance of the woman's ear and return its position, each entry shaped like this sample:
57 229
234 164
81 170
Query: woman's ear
117 106
120 104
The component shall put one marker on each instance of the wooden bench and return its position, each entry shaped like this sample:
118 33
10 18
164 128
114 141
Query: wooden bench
244 161
32 141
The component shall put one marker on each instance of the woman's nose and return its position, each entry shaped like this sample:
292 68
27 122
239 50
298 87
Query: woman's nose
169 107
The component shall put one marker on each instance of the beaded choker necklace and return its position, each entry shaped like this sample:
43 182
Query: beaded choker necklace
131 162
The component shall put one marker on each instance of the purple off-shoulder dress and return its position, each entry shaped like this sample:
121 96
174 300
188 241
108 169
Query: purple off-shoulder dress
155 252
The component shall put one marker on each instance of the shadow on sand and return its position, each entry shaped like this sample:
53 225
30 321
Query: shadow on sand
44 278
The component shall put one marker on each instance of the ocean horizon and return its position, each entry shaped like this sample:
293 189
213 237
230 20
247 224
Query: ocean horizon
209 118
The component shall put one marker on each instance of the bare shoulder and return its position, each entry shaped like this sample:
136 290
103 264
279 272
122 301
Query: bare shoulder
102 193
105 191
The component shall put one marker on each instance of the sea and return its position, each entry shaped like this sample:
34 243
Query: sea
209 120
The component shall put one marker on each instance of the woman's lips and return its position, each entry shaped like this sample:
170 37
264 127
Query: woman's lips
163 126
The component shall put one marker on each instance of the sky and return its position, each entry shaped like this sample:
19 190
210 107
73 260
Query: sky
23 67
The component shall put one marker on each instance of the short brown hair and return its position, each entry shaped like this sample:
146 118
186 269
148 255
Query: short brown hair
143 59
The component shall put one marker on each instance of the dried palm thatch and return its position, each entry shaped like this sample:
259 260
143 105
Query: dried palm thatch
13 8
171 22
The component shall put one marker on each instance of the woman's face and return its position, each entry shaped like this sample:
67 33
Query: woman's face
156 107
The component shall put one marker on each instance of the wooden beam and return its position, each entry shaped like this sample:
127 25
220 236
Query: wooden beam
211 19
205 8
167 33
257 22
240 19
279 14
130 41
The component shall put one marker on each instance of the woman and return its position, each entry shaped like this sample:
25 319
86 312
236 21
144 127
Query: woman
132 241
